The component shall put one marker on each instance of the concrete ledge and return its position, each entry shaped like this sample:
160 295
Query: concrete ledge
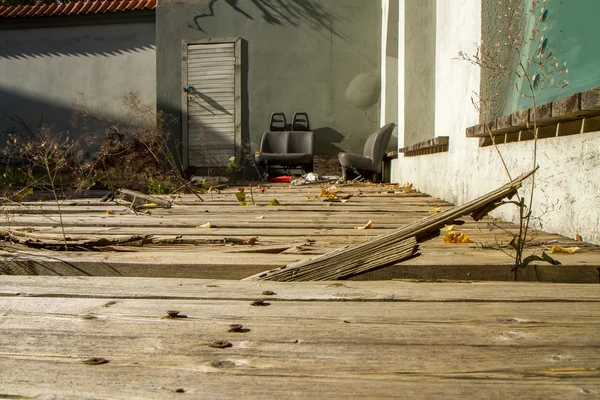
431 146
573 114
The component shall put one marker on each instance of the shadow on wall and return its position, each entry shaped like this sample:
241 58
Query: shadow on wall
278 12
27 114
325 139
32 114
84 44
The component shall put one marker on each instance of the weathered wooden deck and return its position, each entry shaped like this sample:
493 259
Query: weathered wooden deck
106 336
316 340
302 226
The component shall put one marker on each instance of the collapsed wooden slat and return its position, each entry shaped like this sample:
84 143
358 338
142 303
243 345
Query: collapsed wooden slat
56 242
135 196
386 244
344 264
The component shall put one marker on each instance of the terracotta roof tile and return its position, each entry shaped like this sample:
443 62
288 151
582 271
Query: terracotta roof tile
76 8
87 5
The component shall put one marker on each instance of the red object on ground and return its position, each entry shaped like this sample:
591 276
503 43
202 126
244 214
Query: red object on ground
281 179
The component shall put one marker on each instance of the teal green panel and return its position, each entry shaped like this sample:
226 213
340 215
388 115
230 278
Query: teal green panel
573 34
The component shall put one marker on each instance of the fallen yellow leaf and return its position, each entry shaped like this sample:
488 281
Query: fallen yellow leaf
435 210
110 212
564 250
206 225
447 228
456 237
149 205
328 194
369 225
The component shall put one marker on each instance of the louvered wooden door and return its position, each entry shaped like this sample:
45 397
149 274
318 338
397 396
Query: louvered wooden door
211 79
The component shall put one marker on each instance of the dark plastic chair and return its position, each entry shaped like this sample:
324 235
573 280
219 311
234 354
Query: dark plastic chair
300 122
373 152
286 148
277 123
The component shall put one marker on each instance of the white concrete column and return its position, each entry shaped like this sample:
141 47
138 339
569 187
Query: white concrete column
385 8
401 60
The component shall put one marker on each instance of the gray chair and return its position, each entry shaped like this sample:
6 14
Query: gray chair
287 149
373 152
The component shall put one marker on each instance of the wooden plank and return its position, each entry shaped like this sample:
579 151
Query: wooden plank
508 339
176 288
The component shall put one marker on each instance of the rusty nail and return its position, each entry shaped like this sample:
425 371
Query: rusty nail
95 361
268 293
235 328
220 344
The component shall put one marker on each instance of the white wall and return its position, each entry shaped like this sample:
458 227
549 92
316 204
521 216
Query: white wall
567 193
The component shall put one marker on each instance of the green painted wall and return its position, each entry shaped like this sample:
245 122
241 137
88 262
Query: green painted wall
318 56
572 34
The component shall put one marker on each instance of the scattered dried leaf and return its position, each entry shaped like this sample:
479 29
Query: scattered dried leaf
564 250
578 238
435 210
328 194
274 202
369 225
110 212
205 226
456 237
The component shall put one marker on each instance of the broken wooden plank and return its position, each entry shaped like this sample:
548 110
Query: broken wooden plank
377 247
57 243
139 197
